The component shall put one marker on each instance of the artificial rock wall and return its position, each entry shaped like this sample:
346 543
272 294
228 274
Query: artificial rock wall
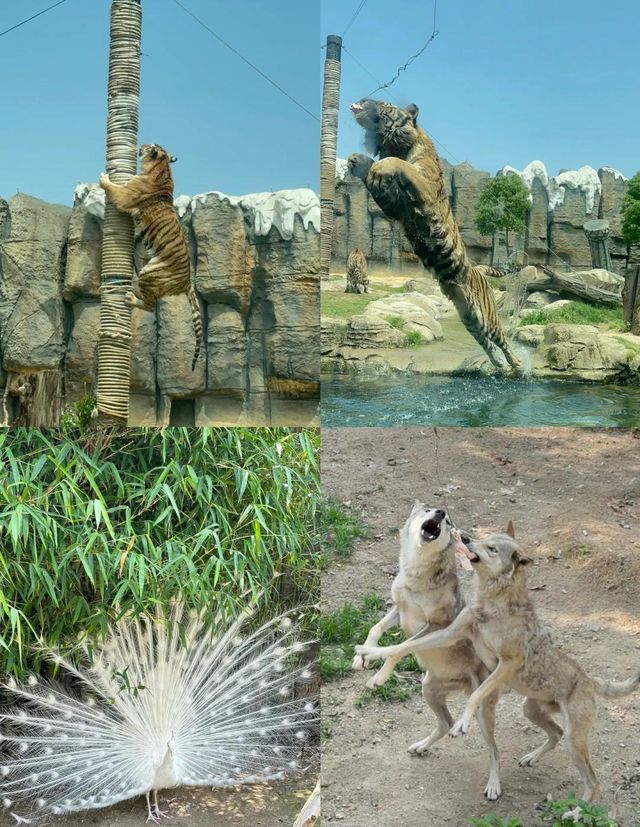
256 272
560 205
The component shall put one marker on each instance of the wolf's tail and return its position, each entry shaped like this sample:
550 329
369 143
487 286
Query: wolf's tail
617 689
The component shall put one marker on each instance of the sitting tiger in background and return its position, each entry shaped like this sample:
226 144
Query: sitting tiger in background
148 197
408 185
357 272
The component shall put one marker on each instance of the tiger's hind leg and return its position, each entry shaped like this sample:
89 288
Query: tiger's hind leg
500 341
152 274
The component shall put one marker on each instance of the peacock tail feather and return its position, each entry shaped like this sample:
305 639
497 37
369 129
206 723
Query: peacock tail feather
165 702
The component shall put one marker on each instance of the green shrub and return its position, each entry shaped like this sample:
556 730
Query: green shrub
100 524
80 416
588 814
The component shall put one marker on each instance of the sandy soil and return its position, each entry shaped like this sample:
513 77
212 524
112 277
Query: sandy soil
574 496
258 805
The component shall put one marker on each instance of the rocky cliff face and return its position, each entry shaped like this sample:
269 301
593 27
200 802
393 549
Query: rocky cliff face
256 271
560 205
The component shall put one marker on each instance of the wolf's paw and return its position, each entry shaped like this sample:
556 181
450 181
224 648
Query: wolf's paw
419 748
493 790
530 758
369 652
377 680
461 727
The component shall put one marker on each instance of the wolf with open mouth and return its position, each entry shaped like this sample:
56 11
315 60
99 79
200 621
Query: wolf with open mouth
426 597
503 627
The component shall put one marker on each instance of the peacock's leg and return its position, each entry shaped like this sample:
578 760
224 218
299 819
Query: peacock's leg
156 809
150 814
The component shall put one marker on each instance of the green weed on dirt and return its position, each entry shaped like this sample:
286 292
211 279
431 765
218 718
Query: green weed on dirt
565 812
339 528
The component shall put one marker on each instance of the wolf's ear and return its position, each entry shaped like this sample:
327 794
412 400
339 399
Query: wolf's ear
172 159
417 506
520 559
511 530
412 110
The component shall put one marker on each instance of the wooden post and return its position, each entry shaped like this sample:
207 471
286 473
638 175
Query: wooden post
114 338
328 147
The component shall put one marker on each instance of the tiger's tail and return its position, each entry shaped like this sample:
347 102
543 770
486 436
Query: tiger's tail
197 324
486 270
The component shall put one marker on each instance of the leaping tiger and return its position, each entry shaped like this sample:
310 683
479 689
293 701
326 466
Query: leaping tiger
408 185
149 198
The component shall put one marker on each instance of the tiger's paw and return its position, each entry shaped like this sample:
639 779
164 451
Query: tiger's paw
133 300
359 165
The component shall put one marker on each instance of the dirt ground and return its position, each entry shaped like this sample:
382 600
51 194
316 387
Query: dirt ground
256 805
574 496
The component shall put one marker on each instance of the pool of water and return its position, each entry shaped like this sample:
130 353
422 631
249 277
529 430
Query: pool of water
475 401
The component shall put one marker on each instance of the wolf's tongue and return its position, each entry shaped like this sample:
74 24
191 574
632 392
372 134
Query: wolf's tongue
463 561
460 551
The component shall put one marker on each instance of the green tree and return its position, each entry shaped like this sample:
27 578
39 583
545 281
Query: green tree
503 205
631 213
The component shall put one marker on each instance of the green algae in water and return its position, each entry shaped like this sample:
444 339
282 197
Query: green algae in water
475 401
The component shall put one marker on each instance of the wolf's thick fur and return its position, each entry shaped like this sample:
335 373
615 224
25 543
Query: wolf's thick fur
503 626
408 185
149 198
426 595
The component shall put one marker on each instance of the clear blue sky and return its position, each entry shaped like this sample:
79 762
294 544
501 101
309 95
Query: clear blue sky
504 82
231 130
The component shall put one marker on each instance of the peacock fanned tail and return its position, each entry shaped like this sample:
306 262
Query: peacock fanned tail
163 703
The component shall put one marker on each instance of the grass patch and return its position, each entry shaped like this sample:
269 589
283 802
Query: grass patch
341 630
339 528
396 690
606 318
396 321
344 305
412 337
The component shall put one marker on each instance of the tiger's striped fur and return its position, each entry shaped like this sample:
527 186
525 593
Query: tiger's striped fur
408 185
149 198
357 272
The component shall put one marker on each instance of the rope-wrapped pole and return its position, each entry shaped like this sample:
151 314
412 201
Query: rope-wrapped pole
114 339
328 147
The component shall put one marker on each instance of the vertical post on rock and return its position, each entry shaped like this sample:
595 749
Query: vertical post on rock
328 147
114 338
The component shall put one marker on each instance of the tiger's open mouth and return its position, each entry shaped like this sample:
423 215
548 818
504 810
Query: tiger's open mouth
430 529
